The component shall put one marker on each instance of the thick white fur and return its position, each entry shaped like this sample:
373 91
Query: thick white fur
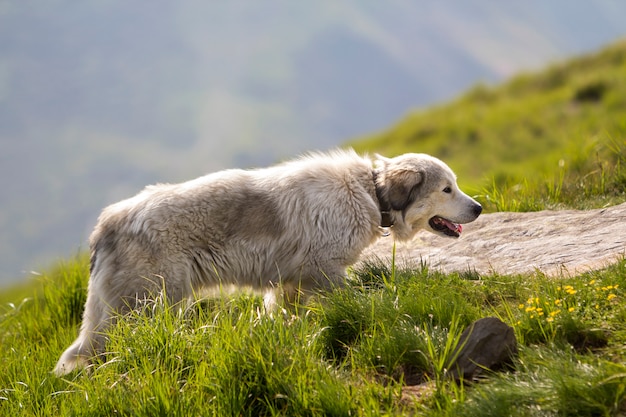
295 226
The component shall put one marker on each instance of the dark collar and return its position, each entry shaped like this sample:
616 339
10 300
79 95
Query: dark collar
385 206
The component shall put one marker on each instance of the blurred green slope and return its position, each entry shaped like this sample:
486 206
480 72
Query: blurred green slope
570 116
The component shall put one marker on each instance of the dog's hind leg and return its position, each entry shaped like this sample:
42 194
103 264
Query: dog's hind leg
97 318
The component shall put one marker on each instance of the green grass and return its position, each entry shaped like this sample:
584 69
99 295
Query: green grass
542 140
348 353
597 179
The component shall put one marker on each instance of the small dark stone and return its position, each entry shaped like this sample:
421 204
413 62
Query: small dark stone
486 344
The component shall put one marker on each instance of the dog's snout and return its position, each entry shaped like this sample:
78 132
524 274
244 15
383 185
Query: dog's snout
477 209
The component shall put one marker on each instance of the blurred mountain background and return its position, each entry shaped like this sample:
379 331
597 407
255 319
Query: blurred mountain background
100 98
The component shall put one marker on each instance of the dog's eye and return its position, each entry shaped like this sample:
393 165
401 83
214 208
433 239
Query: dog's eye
447 190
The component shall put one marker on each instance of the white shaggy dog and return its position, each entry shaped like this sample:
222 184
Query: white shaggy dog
295 226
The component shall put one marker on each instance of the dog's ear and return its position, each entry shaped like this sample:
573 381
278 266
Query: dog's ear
403 187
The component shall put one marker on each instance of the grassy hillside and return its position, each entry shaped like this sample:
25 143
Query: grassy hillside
540 140
348 353
351 351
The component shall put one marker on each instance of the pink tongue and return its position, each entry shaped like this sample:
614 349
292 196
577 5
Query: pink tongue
453 226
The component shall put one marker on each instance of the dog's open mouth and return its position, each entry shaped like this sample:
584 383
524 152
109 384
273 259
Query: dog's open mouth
439 224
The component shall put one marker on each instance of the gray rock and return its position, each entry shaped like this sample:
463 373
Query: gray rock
487 344
553 242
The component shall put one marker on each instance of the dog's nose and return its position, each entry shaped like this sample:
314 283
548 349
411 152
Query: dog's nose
477 209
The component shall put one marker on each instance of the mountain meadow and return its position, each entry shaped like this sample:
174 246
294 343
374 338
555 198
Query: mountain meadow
545 140
382 345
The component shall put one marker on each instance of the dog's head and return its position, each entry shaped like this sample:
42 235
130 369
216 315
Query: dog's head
422 193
